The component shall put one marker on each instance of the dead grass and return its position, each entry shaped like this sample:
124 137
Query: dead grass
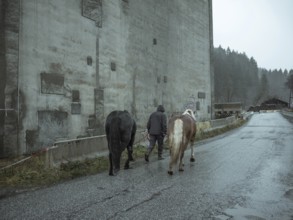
32 172
209 134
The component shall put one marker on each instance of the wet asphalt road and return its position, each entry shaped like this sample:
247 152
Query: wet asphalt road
243 174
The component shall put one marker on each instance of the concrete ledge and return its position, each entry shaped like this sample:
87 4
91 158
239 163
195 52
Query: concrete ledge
75 149
202 126
80 149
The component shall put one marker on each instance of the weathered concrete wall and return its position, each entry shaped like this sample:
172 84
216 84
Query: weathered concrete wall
188 57
2 75
77 60
56 75
162 54
10 95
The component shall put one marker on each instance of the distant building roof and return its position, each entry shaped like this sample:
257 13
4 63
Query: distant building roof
228 105
275 101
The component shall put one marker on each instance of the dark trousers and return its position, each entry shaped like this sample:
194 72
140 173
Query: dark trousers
156 139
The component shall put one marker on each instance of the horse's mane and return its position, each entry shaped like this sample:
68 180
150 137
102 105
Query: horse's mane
190 113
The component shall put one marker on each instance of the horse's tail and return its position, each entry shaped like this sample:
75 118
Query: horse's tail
114 133
176 140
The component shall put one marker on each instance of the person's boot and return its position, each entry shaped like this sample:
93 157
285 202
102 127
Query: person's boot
147 154
146 157
160 156
160 151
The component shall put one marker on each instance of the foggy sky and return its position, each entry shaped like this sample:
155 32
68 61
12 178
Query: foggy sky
262 29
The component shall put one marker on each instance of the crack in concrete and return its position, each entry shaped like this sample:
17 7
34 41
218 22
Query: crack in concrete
153 196
123 192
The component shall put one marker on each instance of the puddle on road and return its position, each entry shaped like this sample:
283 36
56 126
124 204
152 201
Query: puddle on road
289 194
240 213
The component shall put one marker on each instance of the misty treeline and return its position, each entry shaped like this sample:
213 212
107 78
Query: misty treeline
239 79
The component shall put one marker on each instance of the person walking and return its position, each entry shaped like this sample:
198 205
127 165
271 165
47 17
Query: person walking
157 129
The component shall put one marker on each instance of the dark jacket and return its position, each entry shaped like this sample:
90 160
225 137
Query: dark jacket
157 123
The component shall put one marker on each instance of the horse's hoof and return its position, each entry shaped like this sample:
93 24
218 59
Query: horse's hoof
181 169
127 168
170 172
111 174
116 171
192 159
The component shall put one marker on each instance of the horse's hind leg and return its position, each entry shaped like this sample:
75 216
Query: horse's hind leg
129 158
192 153
180 162
130 147
170 171
129 153
111 165
126 166
116 162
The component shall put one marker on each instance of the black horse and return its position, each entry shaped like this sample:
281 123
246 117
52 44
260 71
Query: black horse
120 131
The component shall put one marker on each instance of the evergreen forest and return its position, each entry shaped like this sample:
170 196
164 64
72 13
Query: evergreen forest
239 79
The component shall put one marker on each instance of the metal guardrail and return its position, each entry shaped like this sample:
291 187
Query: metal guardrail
287 113
222 121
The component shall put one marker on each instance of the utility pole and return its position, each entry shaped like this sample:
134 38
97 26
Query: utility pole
290 98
